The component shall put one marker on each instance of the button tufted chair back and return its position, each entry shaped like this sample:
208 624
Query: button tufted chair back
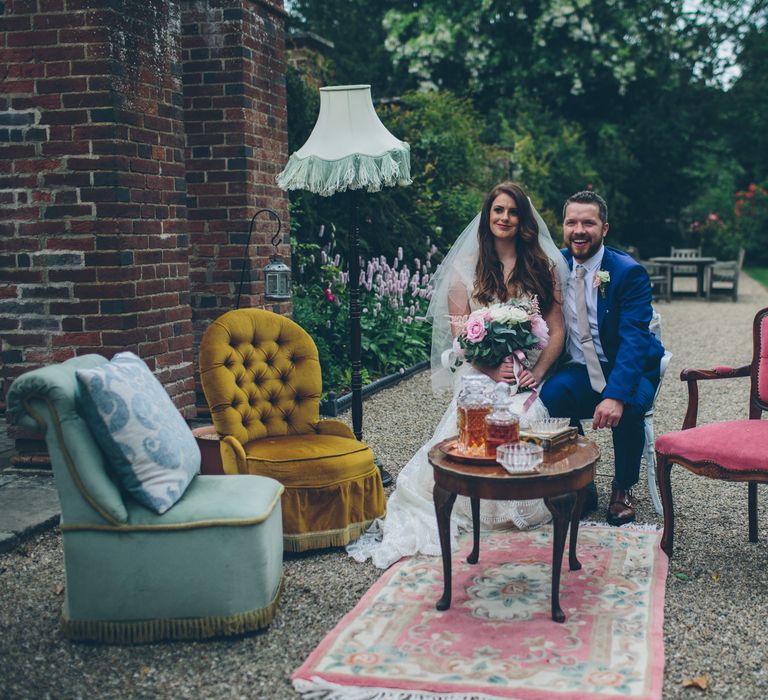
261 375
261 378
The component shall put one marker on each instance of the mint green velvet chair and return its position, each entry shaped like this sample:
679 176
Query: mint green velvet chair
211 565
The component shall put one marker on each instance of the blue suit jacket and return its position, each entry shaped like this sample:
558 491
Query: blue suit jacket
623 315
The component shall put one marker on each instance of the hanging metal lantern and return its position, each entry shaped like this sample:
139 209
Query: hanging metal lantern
277 275
277 279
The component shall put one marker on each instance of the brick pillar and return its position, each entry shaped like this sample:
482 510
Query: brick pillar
233 54
93 222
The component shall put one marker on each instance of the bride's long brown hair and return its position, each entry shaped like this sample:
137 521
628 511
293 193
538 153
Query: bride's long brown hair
532 274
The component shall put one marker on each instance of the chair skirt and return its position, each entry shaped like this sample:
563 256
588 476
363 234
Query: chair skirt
333 488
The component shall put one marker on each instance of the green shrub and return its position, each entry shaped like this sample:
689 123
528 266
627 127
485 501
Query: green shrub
393 297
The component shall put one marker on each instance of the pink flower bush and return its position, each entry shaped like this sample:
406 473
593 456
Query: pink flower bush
395 294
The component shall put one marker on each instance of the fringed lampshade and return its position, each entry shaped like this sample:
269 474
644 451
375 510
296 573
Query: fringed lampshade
349 148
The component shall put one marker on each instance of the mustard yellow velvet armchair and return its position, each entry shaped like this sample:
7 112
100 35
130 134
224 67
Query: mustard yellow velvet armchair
261 377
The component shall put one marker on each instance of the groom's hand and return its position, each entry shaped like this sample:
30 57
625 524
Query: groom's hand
527 380
608 414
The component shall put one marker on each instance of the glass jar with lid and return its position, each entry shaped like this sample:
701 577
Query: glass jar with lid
502 425
473 404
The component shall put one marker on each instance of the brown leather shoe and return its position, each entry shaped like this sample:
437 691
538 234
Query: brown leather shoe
622 507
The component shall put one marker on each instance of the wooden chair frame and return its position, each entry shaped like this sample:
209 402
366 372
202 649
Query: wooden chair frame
683 270
660 275
709 468
726 271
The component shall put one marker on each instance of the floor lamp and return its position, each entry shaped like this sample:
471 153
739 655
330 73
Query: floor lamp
349 149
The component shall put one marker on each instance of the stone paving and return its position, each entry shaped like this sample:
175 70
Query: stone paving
28 500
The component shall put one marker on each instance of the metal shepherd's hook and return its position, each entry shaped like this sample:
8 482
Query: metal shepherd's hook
275 242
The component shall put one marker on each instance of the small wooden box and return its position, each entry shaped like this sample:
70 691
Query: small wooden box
550 441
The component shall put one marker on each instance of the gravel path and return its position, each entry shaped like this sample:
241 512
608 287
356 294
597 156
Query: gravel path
716 600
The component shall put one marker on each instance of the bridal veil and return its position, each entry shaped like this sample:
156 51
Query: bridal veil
457 272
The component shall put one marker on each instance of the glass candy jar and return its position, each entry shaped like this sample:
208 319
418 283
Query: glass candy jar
472 406
501 424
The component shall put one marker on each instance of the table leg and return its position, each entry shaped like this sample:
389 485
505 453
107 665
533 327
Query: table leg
561 508
573 563
474 555
444 501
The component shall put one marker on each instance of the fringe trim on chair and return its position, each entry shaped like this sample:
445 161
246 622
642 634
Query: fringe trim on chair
145 631
328 538
354 172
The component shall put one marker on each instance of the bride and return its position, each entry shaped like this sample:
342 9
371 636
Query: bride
506 252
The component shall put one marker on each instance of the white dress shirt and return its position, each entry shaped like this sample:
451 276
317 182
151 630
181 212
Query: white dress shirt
592 267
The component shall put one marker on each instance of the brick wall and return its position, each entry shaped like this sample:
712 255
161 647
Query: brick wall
99 251
234 96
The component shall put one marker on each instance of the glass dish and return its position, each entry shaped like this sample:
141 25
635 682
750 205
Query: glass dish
520 456
549 425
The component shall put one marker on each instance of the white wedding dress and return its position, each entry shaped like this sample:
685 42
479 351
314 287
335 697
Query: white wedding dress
410 525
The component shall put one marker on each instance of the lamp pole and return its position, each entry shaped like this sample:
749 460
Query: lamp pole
354 319
349 148
355 341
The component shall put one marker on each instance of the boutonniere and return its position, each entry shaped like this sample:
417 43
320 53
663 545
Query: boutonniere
601 280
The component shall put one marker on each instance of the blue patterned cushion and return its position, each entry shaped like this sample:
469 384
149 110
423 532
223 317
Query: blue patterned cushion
149 446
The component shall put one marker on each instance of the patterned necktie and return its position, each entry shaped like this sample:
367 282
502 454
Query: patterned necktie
596 377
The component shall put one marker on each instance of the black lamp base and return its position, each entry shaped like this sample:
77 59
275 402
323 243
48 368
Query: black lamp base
386 477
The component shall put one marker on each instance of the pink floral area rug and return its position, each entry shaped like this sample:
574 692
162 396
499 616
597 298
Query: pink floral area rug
498 639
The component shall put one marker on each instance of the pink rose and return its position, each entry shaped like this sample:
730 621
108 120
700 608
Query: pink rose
474 330
540 329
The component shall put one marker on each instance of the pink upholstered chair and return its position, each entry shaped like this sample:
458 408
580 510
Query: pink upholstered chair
731 450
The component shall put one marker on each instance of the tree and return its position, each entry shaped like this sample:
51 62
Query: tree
356 30
627 95
557 50
746 110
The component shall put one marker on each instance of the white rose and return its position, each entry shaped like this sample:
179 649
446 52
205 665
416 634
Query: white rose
507 314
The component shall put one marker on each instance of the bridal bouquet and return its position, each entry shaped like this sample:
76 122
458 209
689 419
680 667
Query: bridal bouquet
502 330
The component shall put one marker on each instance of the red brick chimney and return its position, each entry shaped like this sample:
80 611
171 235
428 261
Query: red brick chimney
235 119
136 141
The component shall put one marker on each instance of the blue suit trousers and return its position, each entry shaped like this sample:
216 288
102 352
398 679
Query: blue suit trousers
569 393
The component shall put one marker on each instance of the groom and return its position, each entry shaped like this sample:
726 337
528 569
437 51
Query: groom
612 371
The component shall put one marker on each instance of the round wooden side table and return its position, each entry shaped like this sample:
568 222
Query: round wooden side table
561 480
